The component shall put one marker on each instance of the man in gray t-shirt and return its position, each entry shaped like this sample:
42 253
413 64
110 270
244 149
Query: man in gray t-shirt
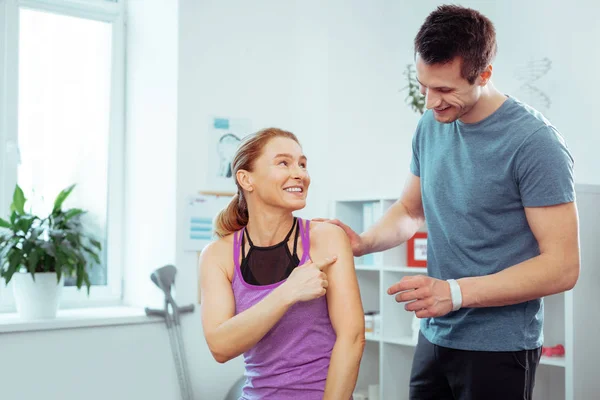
494 181
478 182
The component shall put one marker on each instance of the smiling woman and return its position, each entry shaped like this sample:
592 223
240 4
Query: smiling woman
299 323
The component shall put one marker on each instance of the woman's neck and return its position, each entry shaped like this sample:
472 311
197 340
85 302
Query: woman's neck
268 228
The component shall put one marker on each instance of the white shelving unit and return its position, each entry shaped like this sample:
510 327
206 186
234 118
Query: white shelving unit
388 356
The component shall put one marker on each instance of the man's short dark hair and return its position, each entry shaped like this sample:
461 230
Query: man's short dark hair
454 31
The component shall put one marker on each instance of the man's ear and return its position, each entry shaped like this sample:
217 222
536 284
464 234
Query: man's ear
244 179
485 75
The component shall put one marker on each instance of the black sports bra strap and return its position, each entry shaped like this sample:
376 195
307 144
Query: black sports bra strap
244 245
296 237
287 237
249 240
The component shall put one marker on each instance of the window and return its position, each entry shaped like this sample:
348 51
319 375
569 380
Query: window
62 121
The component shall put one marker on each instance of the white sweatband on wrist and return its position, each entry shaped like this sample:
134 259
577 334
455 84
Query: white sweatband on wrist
456 294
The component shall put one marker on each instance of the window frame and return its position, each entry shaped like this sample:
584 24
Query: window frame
112 12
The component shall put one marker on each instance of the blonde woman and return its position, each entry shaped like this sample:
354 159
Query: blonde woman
278 289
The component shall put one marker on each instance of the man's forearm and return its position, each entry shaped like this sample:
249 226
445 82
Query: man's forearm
532 279
395 227
343 368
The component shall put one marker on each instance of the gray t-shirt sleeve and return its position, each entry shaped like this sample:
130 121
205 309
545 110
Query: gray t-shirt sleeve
415 166
544 169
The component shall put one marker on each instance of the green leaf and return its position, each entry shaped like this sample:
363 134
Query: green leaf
61 261
14 263
92 254
24 223
72 213
13 217
61 198
86 279
79 280
35 233
96 244
49 248
34 258
18 204
4 224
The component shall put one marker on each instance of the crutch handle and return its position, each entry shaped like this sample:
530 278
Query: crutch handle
155 313
186 309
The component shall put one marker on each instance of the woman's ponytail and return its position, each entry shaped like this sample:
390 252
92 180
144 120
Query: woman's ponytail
233 218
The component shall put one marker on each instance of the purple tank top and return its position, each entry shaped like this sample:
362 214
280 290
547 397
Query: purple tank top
291 361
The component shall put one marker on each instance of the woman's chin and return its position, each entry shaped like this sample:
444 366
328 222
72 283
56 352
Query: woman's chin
294 205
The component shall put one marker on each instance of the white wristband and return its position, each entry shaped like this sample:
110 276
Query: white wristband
456 294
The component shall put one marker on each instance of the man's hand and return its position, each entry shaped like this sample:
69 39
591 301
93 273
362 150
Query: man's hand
356 242
427 297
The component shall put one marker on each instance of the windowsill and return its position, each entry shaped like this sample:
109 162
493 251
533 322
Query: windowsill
78 318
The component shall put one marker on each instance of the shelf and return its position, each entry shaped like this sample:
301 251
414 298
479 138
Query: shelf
391 268
408 341
369 336
555 361
414 270
360 267
401 341
367 199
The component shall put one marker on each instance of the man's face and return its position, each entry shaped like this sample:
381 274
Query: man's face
447 93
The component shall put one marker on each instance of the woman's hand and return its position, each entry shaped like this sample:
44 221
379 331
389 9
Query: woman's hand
307 282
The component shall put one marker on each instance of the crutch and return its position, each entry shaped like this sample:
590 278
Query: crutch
164 278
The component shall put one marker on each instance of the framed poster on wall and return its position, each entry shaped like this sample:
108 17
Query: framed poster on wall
225 135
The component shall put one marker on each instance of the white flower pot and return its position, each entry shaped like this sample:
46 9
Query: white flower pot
39 299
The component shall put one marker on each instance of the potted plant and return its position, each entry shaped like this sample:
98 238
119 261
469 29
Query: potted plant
38 252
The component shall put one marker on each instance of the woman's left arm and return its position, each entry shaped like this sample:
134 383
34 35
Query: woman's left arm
345 309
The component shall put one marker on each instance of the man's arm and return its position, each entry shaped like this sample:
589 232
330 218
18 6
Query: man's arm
345 310
555 270
400 222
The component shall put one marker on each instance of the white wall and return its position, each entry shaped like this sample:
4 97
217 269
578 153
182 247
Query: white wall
134 361
265 61
370 126
120 363
330 73
151 165
371 43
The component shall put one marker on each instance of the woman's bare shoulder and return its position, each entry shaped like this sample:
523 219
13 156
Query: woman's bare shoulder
327 235
219 246
218 253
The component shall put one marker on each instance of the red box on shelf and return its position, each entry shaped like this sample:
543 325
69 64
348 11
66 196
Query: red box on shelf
416 250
